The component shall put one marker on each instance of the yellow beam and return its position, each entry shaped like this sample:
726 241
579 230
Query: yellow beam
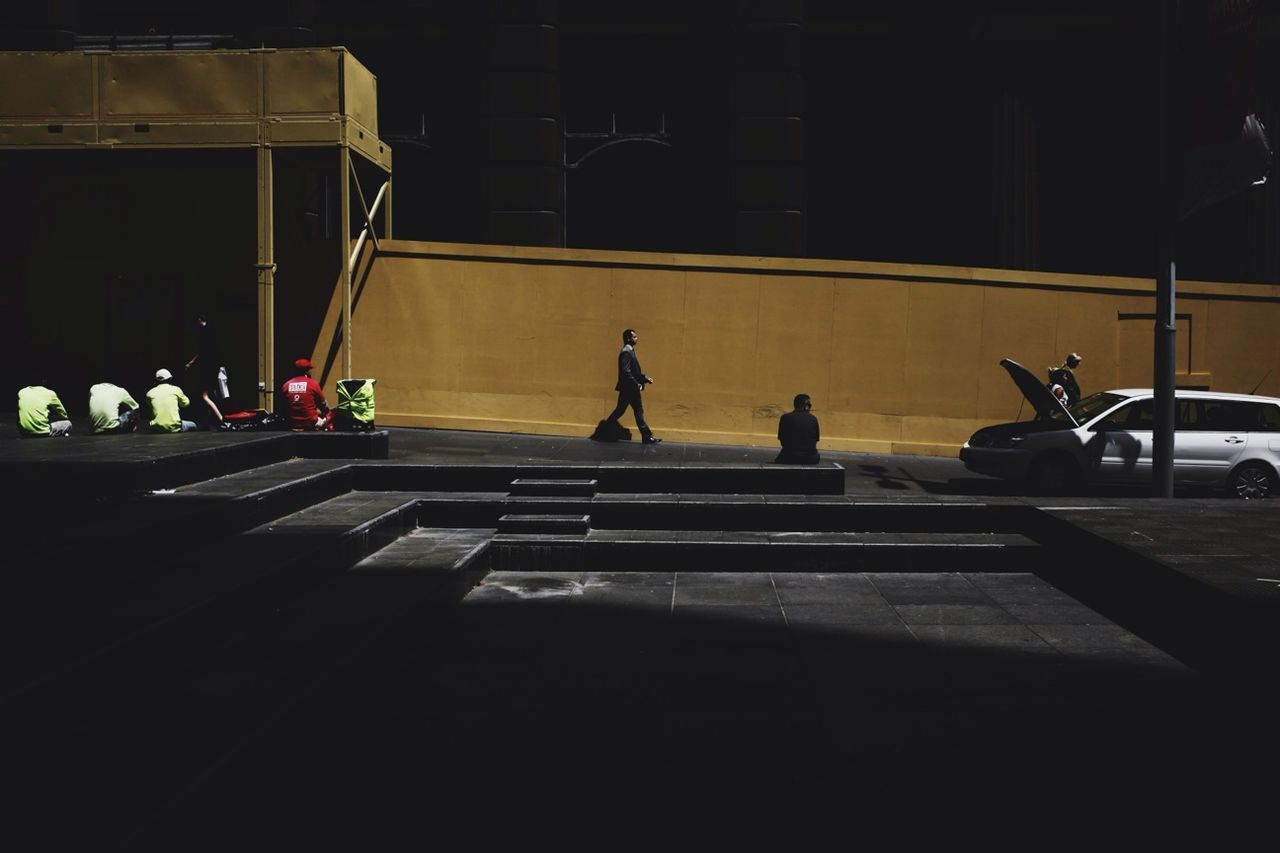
266 279
344 169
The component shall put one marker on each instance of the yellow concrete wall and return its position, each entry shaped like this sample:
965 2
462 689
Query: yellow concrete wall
897 358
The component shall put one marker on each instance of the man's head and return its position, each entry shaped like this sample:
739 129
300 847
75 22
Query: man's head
629 336
1073 359
802 401
303 366
163 375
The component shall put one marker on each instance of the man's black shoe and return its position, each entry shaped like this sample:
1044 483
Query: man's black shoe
651 440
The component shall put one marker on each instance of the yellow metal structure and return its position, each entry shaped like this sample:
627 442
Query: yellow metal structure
197 99
260 99
897 358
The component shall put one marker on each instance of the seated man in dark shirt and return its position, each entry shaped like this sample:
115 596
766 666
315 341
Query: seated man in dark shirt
798 433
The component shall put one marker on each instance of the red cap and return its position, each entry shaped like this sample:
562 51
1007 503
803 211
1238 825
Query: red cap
302 364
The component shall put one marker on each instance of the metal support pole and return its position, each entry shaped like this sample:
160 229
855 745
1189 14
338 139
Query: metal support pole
367 231
266 267
1166 328
344 231
1166 353
386 224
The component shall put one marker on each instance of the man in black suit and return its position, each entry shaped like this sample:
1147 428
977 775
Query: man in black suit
798 433
631 382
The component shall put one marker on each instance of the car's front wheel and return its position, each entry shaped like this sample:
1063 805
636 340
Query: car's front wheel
1052 473
1252 480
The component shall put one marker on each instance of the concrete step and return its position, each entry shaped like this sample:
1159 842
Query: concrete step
631 478
553 487
119 465
535 523
716 512
689 551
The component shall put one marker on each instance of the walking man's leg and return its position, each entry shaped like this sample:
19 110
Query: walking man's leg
637 406
619 409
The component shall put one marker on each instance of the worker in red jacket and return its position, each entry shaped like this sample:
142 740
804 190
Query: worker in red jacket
307 407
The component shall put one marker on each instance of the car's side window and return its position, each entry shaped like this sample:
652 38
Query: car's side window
1189 414
1269 418
1115 420
1133 416
1197 415
1231 416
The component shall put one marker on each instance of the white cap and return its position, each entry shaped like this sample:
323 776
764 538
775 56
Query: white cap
163 375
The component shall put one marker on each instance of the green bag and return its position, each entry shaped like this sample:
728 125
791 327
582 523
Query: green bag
355 404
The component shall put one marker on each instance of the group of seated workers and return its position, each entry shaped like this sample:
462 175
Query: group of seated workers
112 409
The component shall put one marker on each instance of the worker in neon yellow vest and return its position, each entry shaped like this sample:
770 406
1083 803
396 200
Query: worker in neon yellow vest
166 401
41 413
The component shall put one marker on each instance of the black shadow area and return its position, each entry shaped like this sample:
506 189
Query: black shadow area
543 709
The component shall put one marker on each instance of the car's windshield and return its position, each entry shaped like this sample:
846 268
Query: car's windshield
1088 408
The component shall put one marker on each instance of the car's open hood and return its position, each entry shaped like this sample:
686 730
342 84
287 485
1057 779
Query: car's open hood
1036 392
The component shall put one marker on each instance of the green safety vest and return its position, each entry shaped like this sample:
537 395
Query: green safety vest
165 401
35 402
105 400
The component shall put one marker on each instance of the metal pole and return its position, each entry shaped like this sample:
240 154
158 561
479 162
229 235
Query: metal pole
344 231
386 223
355 253
1166 329
1166 346
383 193
266 279
367 231
564 186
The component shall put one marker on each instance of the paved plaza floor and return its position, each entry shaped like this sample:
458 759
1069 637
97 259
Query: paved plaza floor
1119 664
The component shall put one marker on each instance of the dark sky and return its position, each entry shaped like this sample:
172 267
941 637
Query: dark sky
903 151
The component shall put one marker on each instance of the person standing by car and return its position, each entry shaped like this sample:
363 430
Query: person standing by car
1225 441
1065 376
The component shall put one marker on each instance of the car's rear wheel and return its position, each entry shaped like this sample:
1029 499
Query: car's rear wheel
1053 473
1252 480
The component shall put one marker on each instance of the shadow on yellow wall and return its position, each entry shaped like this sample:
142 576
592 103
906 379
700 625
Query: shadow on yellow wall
898 358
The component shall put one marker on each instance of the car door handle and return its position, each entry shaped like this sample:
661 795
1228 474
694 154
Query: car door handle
1234 440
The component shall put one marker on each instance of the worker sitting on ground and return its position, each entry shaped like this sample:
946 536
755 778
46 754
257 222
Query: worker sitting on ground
308 409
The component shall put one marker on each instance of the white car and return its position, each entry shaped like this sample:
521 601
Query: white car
1229 441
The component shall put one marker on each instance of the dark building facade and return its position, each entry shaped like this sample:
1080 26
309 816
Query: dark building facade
981 133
